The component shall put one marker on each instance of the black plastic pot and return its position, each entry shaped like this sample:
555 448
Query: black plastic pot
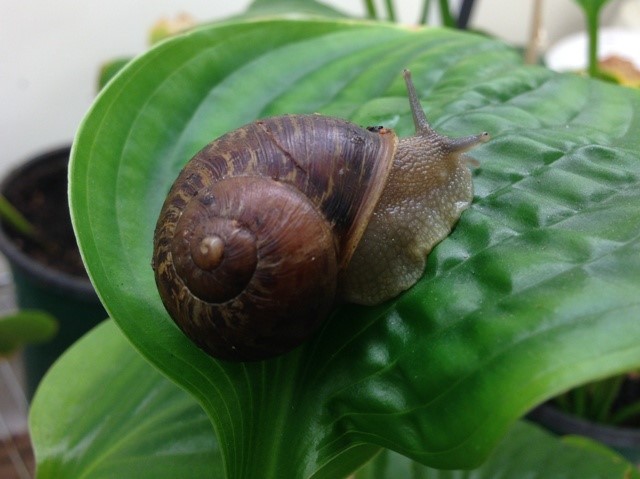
624 440
71 299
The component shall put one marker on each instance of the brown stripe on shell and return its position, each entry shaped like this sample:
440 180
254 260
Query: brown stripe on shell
335 169
291 288
331 161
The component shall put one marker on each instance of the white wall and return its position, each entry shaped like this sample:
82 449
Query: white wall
50 52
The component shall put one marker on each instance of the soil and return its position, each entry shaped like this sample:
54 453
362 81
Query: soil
42 198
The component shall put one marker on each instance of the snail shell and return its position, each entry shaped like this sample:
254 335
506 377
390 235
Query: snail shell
255 241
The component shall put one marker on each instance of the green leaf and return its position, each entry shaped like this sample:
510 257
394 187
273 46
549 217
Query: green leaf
591 9
445 13
116 416
591 5
534 292
23 327
526 451
160 431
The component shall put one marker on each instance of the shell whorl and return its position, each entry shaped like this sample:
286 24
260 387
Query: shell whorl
256 228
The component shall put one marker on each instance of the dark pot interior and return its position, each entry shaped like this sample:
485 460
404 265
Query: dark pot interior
38 188
59 284
624 440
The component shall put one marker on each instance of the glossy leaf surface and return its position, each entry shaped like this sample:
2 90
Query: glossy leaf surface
104 412
159 431
534 292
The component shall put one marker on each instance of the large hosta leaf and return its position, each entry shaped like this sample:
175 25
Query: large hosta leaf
157 430
535 291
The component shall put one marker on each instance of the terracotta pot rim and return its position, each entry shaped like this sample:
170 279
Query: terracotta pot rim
40 273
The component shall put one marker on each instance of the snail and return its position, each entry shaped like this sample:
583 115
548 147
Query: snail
272 225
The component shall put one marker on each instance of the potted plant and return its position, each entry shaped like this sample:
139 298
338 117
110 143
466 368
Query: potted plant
44 259
533 293
607 411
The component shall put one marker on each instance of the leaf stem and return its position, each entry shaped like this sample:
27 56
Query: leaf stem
371 9
13 217
609 391
391 14
591 9
625 414
424 14
445 14
580 401
592 32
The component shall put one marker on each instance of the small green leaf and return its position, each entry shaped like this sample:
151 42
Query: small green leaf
109 69
25 327
445 14
104 412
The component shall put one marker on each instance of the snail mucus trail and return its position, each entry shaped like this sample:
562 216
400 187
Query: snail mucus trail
271 225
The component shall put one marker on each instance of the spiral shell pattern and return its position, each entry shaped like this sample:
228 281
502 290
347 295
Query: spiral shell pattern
253 235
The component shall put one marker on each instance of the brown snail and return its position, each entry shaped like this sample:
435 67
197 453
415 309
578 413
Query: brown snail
268 227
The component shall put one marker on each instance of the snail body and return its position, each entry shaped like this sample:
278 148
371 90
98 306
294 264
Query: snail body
271 225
